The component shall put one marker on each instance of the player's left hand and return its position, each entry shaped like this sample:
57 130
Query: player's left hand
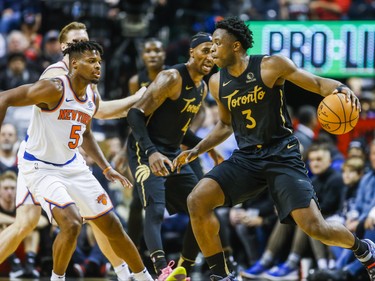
350 96
184 157
112 175
215 156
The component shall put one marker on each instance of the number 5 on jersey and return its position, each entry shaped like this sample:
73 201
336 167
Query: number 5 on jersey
74 136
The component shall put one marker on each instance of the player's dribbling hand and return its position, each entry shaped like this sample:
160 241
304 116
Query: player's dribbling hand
350 96
184 157
112 175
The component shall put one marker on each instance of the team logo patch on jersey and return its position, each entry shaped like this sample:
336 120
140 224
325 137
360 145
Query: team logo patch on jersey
142 173
90 104
102 199
250 77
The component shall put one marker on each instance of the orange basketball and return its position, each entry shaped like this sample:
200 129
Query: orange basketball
336 115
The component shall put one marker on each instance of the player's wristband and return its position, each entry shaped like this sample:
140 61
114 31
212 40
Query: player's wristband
339 88
106 170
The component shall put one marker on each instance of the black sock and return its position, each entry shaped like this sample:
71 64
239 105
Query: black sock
30 257
159 261
187 264
13 258
217 264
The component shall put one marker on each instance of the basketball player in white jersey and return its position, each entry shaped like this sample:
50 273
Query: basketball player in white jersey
28 210
56 177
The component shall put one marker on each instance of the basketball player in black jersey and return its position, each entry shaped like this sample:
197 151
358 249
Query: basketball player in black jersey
160 124
153 55
249 91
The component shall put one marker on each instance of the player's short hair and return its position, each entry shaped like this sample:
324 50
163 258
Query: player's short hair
356 164
71 26
320 146
238 29
151 40
82 46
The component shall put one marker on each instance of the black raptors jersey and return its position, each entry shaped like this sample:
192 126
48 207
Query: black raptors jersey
169 123
259 114
143 79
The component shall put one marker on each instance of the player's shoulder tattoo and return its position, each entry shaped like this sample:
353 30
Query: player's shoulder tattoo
58 83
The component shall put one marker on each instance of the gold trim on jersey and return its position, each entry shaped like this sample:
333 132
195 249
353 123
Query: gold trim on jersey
142 173
281 111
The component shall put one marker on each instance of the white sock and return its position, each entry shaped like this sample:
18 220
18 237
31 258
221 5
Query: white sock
143 276
122 272
55 277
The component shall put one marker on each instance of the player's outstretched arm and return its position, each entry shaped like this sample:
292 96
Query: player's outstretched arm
166 85
44 93
276 69
118 108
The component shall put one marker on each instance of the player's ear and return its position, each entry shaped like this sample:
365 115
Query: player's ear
74 63
236 45
191 51
63 46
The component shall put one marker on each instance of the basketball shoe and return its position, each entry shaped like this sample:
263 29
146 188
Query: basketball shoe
169 274
230 277
368 259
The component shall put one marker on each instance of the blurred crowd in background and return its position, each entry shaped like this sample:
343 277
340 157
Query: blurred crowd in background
29 31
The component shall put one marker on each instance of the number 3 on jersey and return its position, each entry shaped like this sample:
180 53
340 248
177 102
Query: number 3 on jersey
74 136
252 123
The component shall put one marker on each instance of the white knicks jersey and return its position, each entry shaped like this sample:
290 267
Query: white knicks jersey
56 134
61 65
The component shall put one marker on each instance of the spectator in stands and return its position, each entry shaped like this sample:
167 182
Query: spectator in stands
51 48
11 14
338 158
253 222
367 99
362 10
16 42
8 148
360 219
328 9
17 72
358 148
8 183
30 26
307 122
294 9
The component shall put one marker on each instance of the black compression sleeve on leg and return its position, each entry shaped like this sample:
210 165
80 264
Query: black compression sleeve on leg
136 119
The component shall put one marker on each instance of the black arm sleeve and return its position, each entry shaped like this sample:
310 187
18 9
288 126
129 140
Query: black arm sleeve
190 139
136 120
